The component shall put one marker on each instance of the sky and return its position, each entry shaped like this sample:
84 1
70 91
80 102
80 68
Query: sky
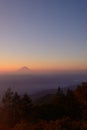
43 34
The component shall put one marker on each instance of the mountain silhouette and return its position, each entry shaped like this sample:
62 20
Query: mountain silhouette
24 70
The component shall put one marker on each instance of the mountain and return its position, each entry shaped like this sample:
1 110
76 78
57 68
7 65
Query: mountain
24 70
43 93
48 94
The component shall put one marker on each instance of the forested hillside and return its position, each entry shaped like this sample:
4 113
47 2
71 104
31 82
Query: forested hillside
61 111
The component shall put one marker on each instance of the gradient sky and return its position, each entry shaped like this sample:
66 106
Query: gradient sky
43 34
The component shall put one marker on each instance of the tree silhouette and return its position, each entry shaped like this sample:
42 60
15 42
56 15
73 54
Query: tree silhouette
81 95
7 105
26 106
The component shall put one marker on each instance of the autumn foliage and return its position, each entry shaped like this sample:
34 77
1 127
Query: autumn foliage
65 111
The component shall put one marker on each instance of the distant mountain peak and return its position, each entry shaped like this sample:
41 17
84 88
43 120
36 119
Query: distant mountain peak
24 69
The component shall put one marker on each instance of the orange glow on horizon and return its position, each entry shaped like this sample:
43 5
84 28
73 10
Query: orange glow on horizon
43 68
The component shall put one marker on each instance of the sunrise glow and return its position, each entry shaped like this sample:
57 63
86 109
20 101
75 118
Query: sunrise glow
43 36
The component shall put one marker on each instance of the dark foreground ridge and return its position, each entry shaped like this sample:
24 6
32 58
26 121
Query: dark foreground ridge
58 111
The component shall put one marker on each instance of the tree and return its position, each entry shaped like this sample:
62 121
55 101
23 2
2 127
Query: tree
72 105
7 105
7 99
81 96
16 107
26 106
81 93
16 101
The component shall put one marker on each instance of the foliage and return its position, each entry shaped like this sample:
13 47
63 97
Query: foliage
64 112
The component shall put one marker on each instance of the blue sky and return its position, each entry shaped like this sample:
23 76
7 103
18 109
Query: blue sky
43 34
